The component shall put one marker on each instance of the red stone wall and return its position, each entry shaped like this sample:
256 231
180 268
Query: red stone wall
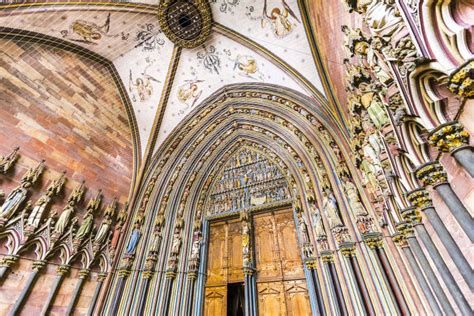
66 109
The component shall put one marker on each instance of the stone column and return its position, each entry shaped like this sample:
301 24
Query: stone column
314 288
123 275
100 280
146 277
192 276
328 261
400 240
60 272
169 280
443 270
5 264
348 251
433 174
451 137
375 242
37 266
77 291
421 199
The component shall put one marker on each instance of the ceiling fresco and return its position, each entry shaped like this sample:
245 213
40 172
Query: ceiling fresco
204 70
251 41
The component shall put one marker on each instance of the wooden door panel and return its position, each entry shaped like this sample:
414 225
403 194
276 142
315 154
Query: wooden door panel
216 266
235 272
290 252
297 298
215 301
266 248
271 299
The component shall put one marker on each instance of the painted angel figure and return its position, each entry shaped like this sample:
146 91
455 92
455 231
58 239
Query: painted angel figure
88 32
189 92
142 85
279 19
247 65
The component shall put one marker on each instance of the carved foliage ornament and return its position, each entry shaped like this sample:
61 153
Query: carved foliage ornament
449 136
186 23
461 81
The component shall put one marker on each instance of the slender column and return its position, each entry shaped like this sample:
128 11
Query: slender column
401 241
147 275
170 276
100 280
451 137
375 242
123 274
443 270
192 276
432 173
337 287
60 272
37 266
314 286
348 251
77 291
420 198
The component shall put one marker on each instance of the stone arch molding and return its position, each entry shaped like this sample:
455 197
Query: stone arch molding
302 139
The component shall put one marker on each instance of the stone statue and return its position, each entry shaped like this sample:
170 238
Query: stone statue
18 195
103 231
331 210
318 223
86 226
353 196
63 220
36 214
303 229
381 16
196 247
13 201
176 245
8 161
134 238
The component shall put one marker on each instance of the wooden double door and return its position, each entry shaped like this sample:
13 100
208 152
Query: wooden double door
281 284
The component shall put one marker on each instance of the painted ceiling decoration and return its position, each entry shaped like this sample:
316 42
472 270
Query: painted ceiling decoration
169 68
186 23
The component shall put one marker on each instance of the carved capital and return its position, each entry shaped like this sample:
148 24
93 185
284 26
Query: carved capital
405 228
8 261
147 274
83 273
38 265
373 240
101 276
449 136
431 173
409 213
420 198
348 249
400 240
311 264
192 275
461 80
124 273
62 269
327 256
248 271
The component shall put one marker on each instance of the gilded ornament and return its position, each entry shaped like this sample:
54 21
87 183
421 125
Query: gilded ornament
449 136
431 173
461 80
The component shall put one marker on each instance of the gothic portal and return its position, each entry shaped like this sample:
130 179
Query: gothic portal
236 157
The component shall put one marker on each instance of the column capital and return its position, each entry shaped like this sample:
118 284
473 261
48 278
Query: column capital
373 240
101 276
38 264
147 274
124 273
62 269
431 173
449 136
348 249
419 198
327 256
460 81
409 213
400 240
170 274
83 273
405 228
8 261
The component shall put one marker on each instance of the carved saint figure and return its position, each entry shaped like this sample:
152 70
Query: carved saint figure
353 196
35 216
134 238
13 201
330 209
63 219
86 226
176 245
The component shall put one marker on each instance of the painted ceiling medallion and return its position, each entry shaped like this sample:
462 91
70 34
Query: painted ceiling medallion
186 23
